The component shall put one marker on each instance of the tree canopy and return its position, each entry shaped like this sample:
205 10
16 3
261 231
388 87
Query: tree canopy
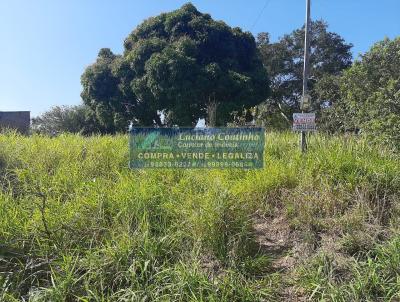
366 97
176 68
329 55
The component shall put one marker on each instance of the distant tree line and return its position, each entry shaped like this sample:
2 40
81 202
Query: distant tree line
183 66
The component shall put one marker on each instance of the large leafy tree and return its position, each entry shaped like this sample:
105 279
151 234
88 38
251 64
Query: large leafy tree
176 68
330 54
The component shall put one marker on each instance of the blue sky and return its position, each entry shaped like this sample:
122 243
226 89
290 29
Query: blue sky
46 44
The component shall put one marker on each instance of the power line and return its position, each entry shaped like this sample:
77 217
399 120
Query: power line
260 14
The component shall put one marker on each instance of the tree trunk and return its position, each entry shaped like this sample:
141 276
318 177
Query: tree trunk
212 112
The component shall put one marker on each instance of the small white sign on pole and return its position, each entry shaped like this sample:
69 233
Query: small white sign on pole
304 122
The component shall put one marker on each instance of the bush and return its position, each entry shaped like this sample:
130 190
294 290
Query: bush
71 119
366 97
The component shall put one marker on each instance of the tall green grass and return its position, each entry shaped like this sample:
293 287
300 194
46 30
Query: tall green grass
77 225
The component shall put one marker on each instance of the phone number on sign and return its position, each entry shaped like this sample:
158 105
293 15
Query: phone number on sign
189 164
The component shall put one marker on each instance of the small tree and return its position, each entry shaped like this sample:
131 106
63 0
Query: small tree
330 55
73 119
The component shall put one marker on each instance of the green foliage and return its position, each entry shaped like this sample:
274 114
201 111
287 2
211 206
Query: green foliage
333 115
179 63
77 224
330 55
367 96
101 93
375 278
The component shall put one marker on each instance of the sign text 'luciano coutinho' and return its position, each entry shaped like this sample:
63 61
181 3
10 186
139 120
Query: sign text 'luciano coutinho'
197 148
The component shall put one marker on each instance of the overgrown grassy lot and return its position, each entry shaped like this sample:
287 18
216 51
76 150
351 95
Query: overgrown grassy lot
77 225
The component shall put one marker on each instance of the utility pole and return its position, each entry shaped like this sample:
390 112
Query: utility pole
305 100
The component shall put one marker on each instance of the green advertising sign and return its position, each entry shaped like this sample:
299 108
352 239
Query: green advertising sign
197 148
